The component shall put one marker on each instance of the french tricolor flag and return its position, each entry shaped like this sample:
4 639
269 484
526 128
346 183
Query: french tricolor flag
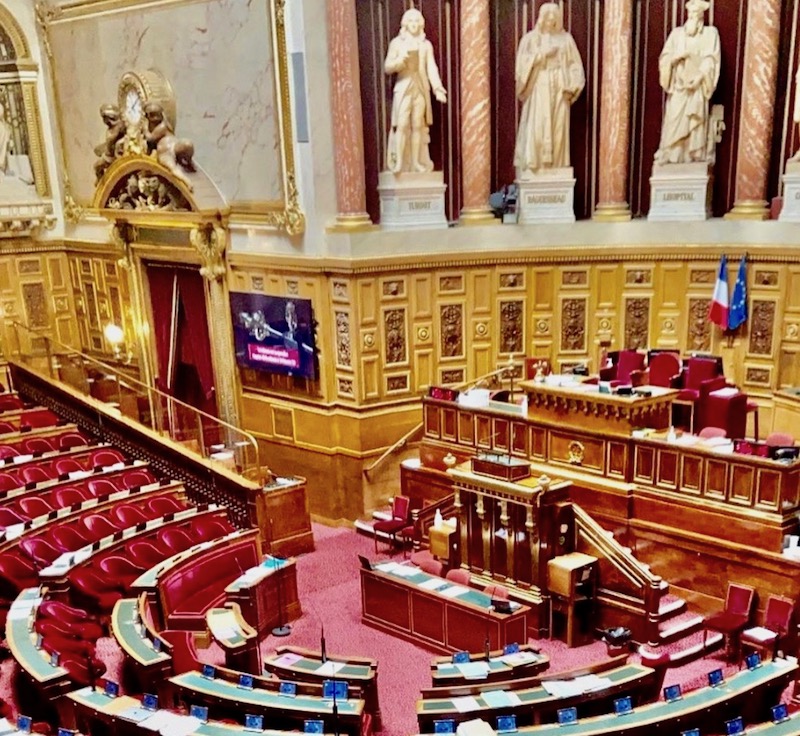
718 311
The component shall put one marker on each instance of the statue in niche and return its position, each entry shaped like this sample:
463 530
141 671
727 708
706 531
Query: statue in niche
6 140
173 152
109 149
796 111
411 57
689 68
549 78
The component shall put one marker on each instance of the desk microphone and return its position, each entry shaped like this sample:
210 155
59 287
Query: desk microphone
324 656
487 645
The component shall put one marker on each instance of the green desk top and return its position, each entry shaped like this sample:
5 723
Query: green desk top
786 728
126 628
473 597
310 665
692 702
440 670
22 641
304 704
534 695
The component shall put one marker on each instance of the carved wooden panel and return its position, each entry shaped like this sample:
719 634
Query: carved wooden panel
452 375
762 323
759 376
512 280
343 350
393 288
451 283
451 330
573 325
512 324
574 278
33 296
637 321
765 277
395 344
698 336
397 383
639 277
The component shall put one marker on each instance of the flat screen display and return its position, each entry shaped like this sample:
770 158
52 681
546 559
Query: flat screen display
288 689
672 693
752 661
734 727
150 701
253 722
313 727
780 713
715 678
512 648
200 712
460 657
623 706
246 681
334 689
506 724
209 671
274 334
567 716
444 725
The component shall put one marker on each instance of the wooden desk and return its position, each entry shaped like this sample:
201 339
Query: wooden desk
581 405
747 693
279 711
237 638
129 629
527 663
400 606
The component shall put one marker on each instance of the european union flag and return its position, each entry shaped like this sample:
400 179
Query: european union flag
737 313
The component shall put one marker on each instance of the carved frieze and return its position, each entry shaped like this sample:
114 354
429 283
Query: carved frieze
452 330
511 327
451 283
453 375
344 386
702 276
340 291
766 278
149 192
33 296
394 322
762 323
292 287
29 266
574 278
639 276
343 352
573 324
258 283
699 328
637 320
394 288
512 280
397 383
757 375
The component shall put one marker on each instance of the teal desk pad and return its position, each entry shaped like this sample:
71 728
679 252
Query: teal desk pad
213 613
220 688
126 633
269 564
473 597
790 727
448 669
535 695
22 642
693 701
306 664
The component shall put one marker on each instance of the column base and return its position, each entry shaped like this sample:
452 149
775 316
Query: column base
749 209
355 223
477 216
612 212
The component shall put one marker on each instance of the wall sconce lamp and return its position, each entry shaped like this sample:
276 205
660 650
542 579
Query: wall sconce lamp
115 337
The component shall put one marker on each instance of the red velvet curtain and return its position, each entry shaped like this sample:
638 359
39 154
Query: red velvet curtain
195 348
163 300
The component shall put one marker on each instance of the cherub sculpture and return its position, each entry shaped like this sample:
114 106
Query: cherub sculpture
108 150
172 152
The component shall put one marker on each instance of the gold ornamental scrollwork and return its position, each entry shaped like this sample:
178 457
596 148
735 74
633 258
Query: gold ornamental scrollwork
575 453
209 241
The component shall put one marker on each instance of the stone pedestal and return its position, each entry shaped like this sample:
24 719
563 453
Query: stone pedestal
680 192
791 193
546 197
412 200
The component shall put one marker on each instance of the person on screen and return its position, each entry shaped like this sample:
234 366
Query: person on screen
289 333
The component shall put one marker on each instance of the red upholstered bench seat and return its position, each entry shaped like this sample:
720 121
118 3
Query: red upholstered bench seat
188 592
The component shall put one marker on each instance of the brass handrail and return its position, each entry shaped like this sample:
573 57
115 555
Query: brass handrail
128 381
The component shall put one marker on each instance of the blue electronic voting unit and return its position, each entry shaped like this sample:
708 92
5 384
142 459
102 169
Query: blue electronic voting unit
735 726
672 693
444 725
752 661
334 689
691 732
512 648
460 657
623 706
209 671
150 701
246 681
289 689
780 713
567 716
715 678
253 722
506 724
111 689
24 724
313 727
200 712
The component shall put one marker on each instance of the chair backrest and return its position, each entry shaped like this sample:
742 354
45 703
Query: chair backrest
6 427
663 367
778 613
699 370
104 458
69 496
71 439
8 451
739 599
779 439
431 566
34 506
401 507
37 444
496 592
534 364
37 474
458 576
708 433
628 362
184 653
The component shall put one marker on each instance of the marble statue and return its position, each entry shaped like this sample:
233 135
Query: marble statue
410 57
549 78
689 67
796 111
6 140
172 152
108 150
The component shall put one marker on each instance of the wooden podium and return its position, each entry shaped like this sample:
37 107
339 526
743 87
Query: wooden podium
570 582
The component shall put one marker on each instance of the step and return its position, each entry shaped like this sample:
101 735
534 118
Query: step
687 649
679 627
670 606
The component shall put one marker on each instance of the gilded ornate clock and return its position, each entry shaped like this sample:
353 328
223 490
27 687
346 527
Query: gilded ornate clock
137 88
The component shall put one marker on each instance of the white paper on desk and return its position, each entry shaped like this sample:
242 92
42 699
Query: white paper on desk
18 614
227 632
157 720
500 698
288 659
466 704
517 658
445 666
329 668
135 713
78 474
476 727
431 584
590 683
387 566
405 571
473 670
15 530
454 591
6 727
562 688
22 458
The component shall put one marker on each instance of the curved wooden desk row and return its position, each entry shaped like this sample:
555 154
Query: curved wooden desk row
749 693
119 716
69 515
528 661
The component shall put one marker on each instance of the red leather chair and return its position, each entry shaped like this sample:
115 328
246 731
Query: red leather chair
708 433
10 403
496 592
69 496
39 550
93 589
101 487
83 671
9 516
67 646
18 573
779 439
38 418
99 526
137 479
664 369
68 539
724 407
8 482
696 372
37 444
174 540
121 570
627 368
71 439
206 529
74 618
8 451
66 465
777 623
104 458
401 517
732 619
164 505
35 506
127 515
184 653
458 576
7 427
37 474
431 566
145 555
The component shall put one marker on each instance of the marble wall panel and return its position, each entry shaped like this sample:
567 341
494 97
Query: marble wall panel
218 56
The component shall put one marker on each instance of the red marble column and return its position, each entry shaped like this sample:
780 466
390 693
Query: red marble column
757 111
476 134
615 102
348 140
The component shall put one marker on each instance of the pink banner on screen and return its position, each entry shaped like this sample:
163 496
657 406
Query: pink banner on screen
274 355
